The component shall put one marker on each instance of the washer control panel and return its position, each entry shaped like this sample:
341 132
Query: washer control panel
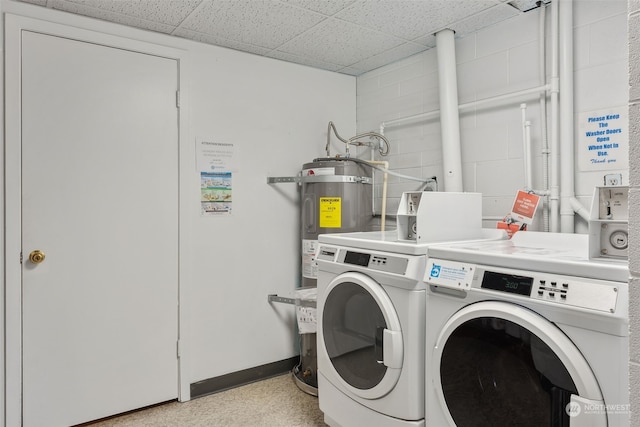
574 291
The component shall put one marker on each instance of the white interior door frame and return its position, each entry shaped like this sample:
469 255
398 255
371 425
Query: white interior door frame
70 27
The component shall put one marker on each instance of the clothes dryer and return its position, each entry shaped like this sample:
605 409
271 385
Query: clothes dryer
371 328
526 332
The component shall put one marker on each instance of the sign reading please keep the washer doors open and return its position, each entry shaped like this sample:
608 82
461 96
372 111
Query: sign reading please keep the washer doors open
603 140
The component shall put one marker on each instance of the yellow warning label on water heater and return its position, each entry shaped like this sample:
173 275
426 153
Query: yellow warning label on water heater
330 212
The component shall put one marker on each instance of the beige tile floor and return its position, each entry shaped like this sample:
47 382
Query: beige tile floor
275 402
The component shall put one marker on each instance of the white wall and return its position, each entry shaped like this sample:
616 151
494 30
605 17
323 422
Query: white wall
276 115
634 208
497 60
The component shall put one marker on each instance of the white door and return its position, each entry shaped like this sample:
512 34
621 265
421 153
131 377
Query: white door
360 336
500 364
100 200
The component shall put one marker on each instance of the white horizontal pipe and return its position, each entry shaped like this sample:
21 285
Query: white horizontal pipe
421 116
480 102
533 90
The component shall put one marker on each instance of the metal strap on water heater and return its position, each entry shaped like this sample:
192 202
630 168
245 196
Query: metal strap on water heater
321 178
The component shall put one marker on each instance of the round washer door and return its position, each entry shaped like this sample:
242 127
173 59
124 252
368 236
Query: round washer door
361 335
500 364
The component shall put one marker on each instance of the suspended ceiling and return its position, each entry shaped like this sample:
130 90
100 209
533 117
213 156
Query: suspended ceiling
346 36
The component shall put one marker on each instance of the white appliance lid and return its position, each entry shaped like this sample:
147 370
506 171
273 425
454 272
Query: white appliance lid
388 240
559 253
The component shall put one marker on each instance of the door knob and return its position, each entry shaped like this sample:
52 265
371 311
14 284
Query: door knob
36 256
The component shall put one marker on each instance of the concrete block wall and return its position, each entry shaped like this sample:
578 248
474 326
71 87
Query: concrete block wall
499 59
634 207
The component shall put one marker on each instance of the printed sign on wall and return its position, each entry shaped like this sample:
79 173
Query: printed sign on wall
603 140
215 162
215 193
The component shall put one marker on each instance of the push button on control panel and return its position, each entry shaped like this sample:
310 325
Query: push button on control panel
379 260
550 290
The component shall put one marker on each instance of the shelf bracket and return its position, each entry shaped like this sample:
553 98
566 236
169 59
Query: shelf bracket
294 301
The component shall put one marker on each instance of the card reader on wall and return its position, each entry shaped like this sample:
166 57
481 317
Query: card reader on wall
430 216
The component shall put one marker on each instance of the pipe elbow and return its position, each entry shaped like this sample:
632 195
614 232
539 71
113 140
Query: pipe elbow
579 208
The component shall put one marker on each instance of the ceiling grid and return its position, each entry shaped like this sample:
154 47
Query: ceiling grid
345 36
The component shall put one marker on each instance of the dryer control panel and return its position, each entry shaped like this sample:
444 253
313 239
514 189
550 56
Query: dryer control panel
379 261
572 291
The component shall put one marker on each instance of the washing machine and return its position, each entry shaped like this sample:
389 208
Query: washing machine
371 328
526 332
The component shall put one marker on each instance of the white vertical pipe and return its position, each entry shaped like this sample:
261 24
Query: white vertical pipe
526 148
449 118
567 175
554 169
528 163
543 114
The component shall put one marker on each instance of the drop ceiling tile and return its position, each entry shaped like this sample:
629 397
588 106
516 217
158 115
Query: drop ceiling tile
340 42
456 11
351 71
352 36
524 5
261 23
220 41
303 60
168 12
411 19
408 19
36 2
326 7
483 19
427 41
106 15
392 55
